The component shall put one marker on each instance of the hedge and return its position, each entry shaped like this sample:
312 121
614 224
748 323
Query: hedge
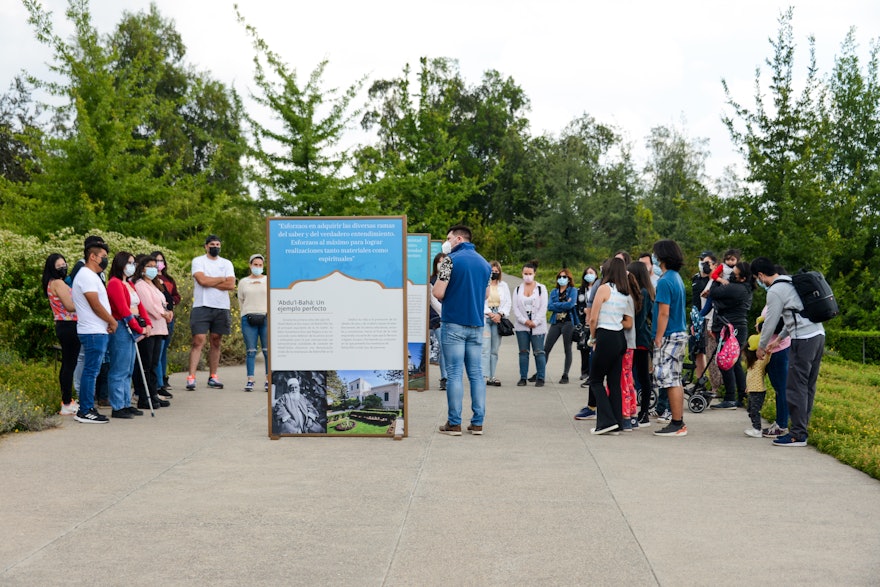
855 345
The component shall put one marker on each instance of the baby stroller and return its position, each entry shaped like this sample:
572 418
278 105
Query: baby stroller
698 396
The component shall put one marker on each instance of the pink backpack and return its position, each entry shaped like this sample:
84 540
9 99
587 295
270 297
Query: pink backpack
728 351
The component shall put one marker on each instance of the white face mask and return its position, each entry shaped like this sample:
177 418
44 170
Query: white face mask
129 269
528 278
446 247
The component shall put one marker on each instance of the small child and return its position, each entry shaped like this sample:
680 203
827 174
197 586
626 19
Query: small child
755 384
721 273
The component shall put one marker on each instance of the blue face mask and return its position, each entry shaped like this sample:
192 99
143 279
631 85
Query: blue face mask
563 281
657 271
151 272
656 263
764 286
589 278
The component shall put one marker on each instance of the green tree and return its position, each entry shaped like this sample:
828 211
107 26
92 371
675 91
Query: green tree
297 167
785 148
120 154
373 402
589 189
415 168
676 192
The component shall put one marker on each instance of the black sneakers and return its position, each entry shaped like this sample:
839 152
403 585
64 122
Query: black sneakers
90 417
123 413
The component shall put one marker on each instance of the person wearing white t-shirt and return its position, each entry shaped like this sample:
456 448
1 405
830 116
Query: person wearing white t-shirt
213 278
94 325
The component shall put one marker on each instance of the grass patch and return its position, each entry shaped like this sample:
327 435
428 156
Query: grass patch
30 396
846 414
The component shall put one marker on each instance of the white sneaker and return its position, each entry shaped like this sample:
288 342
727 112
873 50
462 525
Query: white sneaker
69 409
665 417
753 433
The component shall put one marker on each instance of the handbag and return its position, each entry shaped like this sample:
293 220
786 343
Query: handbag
581 335
728 351
256 320
505 327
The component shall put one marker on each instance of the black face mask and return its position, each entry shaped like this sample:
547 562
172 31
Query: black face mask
60 273
104 262
706 268
214 251
496 276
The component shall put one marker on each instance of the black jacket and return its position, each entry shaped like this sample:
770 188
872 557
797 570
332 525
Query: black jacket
731 303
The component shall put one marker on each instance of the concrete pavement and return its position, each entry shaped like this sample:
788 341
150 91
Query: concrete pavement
199 495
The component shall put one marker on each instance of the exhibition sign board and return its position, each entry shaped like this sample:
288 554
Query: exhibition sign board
337 322
434 341
417 271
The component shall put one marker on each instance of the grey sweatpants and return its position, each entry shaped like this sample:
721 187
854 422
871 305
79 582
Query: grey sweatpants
804 359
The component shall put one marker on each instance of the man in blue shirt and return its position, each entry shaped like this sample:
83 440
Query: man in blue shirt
462 281
669 331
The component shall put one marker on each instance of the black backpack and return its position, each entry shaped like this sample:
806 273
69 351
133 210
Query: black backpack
816 296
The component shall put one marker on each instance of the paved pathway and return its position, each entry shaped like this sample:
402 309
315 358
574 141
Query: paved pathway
200 496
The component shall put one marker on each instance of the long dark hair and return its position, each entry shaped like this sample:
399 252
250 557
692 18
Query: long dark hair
614 271
117 267
437 258
49 271
142 261
643 279
164 272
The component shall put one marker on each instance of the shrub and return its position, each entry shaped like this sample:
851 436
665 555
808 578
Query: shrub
855 345
29 394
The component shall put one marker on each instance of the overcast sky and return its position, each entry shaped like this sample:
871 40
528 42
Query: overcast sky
634 64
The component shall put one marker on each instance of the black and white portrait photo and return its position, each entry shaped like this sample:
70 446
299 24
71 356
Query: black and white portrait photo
299 402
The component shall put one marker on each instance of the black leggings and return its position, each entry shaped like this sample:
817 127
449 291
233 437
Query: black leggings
65 330
642 369
149 349
565 329
608 363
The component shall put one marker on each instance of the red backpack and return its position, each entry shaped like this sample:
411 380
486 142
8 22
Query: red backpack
728 350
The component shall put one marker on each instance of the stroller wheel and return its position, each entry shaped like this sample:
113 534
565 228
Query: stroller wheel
653 399
697 403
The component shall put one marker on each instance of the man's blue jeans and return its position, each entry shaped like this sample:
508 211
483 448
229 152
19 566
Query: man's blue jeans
463 350
94 347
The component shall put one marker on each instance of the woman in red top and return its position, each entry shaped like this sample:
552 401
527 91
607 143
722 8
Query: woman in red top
64 312
125 307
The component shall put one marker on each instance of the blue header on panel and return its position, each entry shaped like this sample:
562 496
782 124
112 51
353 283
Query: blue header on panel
436 247
312 248
417 258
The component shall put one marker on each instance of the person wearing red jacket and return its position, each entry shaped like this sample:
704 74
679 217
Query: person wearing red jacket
125 307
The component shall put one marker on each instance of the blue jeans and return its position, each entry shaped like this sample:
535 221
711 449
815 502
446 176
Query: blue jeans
524 339
121 366
250 335
438 332
491 342
162 367
777 372
94 347
463 350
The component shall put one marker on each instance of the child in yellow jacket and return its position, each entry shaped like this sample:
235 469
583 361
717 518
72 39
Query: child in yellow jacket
755 384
